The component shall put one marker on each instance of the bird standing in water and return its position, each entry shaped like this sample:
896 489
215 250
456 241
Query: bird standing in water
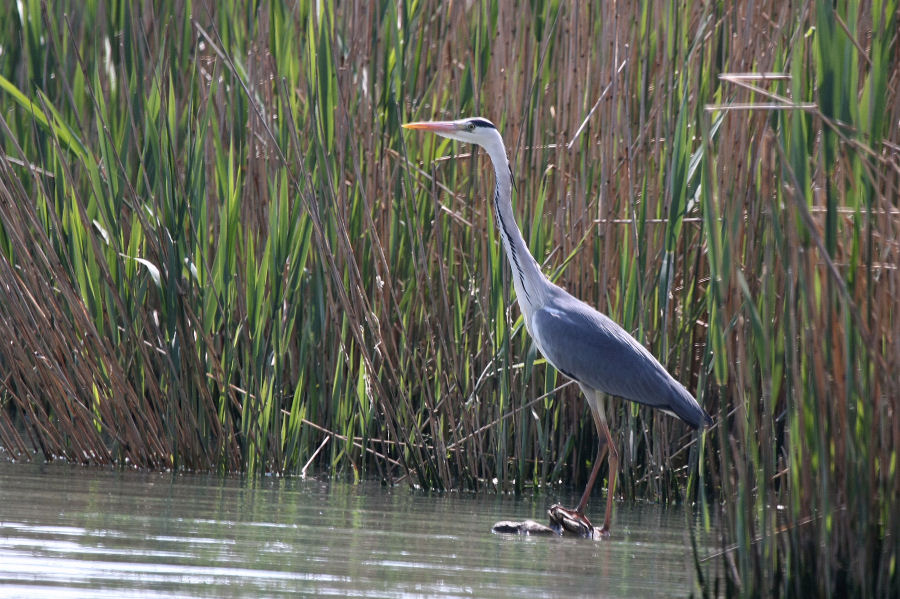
580 342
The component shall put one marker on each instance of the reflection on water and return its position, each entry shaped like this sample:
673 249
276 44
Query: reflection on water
72 532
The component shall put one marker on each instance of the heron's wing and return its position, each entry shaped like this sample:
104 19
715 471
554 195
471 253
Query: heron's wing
589 347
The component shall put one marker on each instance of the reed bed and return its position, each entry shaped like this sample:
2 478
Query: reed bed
218 251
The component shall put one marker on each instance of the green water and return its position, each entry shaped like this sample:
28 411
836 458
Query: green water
74 532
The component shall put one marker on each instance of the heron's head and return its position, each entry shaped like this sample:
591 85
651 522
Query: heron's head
475 130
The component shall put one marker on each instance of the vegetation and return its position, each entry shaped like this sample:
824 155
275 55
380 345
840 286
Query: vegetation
218 251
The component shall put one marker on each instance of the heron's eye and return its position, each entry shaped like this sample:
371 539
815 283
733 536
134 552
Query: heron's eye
470 126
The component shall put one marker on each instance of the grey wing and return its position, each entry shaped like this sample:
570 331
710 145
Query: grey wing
589 347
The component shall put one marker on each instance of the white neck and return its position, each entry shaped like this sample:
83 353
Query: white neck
529 281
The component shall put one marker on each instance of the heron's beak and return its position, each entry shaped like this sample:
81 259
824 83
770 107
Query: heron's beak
434 126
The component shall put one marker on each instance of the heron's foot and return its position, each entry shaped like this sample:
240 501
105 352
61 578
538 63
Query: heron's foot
570 521
528 527
564 520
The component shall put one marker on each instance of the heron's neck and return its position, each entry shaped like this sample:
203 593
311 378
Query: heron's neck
528 280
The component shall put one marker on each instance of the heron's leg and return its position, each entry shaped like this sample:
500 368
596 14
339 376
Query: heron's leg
575 521
602 446
596 404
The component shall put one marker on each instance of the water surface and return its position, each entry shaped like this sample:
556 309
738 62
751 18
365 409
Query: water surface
74 532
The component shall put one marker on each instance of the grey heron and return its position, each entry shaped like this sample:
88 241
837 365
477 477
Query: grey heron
576 339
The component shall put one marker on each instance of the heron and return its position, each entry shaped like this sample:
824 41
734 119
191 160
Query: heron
579 341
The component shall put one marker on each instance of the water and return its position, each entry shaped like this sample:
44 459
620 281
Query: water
74 532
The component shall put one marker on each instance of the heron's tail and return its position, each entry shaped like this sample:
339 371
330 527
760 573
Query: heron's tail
685 406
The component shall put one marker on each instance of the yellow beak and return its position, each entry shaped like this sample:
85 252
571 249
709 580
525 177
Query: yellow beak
434 126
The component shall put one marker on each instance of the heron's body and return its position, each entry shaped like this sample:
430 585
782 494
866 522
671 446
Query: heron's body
626 370
576 339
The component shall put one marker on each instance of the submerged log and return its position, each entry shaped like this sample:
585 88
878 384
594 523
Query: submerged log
526 527
562 523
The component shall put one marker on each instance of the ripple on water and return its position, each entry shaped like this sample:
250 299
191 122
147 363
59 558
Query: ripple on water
75 532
